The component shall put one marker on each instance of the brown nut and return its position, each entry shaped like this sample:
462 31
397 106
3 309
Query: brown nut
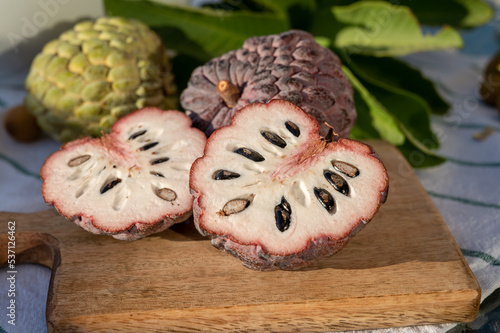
490 84
21 125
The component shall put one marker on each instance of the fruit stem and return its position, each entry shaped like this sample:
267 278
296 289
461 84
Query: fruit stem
331 135
229 93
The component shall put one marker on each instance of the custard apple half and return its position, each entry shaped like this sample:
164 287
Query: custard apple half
270 191
96 73
130 183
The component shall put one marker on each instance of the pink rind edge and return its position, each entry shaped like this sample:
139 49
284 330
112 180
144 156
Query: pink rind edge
136 231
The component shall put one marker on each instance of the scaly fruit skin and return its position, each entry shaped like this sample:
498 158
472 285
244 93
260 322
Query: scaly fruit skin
96 73
289 66
130 183
296 198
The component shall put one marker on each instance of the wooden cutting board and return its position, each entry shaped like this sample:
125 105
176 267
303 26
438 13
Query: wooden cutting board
403 269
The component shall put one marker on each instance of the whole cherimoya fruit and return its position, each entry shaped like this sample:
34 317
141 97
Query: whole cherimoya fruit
130 183
270 191
96 73
289 66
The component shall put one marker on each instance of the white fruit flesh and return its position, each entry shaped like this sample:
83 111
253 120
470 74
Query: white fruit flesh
116 189
292 173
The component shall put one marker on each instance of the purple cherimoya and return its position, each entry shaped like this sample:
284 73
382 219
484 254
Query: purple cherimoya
289 66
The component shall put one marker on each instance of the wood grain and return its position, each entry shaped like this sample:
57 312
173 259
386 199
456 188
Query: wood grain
403 269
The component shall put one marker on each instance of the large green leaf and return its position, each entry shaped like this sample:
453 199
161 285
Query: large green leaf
299 13
182 68
373 120
381 29
396 73
214 31
459 13
410 111
420 158
413 135
232 5
176 39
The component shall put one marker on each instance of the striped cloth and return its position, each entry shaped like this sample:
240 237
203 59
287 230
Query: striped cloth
465 189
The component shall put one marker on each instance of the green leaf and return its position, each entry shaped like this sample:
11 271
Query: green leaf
285 5
324 4
299 13
182 67
373 120
396 73
232 5
420 158
214 31
410 111
368 108
176 39
382 29
458 13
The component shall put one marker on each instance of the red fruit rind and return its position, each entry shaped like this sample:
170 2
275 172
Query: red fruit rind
245 235
132 209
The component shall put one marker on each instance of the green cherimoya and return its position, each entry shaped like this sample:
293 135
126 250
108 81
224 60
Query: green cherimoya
96 73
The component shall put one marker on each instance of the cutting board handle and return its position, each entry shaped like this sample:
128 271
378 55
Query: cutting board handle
34 248
31 248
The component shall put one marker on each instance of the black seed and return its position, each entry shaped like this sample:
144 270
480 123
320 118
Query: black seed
325 198
250 154
274 138
337 182
235 206
224 174
282 218
110 184
293 128
148 146
157 174
282 215
137 134
78 160
346 168
159 160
